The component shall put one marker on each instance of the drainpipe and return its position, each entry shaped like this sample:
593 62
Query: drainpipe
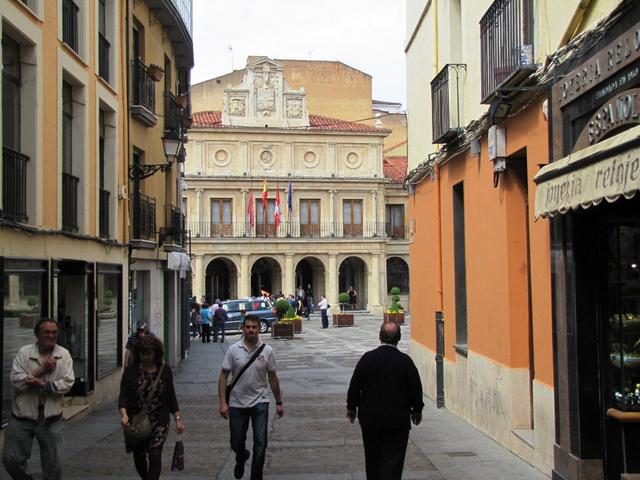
576 21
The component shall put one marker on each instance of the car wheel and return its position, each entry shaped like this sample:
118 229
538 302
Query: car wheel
264 326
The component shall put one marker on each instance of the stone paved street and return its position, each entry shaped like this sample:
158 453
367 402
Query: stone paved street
313 440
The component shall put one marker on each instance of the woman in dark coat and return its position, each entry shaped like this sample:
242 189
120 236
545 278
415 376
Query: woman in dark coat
137 382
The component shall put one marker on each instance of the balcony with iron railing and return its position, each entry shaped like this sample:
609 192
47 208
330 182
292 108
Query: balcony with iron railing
445 103
103 57
173 231
70 202
70 24
143 106
143 212
506 32
14 185
294 229
172 113
104 213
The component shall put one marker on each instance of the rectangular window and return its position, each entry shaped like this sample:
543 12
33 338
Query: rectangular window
69 181
310 218
460 266
105 194
70 24
108 319
395 221
265 221
104 46
25 302
352 217
10 94
221 217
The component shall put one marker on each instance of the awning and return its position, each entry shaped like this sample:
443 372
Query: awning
179 261
607 170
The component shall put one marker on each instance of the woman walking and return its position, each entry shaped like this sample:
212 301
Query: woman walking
148 384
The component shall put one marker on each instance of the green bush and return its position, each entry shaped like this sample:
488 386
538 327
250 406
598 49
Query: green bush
32 301
108 294
343 297
394 291
281 307
290 313
395 306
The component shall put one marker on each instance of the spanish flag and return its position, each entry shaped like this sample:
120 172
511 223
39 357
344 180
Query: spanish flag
264 196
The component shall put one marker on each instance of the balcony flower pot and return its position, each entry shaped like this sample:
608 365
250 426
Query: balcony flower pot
342 319
181 101
187 122
155 72
397 317
282 329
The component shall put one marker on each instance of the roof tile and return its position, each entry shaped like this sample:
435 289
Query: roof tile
395 168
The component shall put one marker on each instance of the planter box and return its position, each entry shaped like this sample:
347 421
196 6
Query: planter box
282 330
342 319
29 320
297 326
394 317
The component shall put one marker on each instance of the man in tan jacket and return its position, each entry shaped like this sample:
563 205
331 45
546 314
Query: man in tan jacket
42 373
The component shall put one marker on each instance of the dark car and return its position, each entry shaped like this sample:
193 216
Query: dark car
261 308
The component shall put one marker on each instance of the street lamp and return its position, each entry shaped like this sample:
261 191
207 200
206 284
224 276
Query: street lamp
171 143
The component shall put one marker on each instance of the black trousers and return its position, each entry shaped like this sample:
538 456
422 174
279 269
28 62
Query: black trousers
384 451
206 333
324 318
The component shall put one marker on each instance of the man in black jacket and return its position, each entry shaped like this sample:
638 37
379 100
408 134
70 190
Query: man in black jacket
386 395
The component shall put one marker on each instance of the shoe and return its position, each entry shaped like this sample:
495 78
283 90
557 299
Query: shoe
238 470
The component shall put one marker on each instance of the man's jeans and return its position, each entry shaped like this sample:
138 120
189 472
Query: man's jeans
18 442
239 423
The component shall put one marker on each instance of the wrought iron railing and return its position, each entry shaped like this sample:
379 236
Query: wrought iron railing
296 229
174 225
144 217
144 88
104 213
172 113
445 103
70 24
103 56
70 202
505 42
14 185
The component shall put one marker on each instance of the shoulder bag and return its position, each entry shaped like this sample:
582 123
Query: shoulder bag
139 427
227 393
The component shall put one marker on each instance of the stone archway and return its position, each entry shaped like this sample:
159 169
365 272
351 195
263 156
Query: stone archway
397 275
353 271
266 274
221 280
311 271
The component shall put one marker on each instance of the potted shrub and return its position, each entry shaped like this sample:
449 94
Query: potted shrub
295 319
395 312
283 328
342 319
280 308
155 72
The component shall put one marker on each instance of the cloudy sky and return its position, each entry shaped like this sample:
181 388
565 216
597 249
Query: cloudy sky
365 34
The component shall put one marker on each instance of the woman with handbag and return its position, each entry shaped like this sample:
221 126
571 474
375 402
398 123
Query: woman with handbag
147 398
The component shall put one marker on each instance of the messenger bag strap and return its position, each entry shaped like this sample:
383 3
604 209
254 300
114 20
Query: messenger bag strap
155 384
246 365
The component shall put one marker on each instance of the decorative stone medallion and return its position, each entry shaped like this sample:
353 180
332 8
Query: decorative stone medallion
353 160
310 159
267 159
294 108
222 158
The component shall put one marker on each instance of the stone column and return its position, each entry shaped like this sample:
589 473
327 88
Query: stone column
373 220
374 285
332 286
332 217
200 285
244 279
289 275
199 226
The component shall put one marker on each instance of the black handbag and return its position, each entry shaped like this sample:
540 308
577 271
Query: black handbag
177 463
227 393
139 427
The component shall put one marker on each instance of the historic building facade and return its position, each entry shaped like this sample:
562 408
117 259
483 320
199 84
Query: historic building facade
342 223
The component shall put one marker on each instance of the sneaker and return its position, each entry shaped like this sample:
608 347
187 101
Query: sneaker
238 471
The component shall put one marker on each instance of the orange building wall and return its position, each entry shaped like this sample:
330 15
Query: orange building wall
496 256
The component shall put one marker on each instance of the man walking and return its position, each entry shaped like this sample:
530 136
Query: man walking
205 321
249 397
220 318
323 306
385 393
42 373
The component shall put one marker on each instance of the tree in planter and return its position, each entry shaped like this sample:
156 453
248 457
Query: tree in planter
291 316
32 302
395 312
281 307
343 299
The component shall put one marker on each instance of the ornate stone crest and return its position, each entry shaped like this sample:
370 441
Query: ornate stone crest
237 107
294 108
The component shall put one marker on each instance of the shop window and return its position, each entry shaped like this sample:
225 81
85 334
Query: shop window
24 303
108 319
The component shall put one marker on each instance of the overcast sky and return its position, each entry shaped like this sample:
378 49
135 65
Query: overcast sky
365 34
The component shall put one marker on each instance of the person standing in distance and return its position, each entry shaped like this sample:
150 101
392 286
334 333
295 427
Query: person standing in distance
385 394
323 305
249 398
41 374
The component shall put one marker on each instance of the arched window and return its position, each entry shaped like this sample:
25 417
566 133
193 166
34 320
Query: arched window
397 274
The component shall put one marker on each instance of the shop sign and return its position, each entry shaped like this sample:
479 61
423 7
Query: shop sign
623 51
622 110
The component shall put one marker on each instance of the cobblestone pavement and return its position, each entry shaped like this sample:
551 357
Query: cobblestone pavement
312 441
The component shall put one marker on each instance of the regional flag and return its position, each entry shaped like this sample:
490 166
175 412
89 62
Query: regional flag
264 196
290 197
252 219
276 210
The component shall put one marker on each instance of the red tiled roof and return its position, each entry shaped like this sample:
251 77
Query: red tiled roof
395 168
214 120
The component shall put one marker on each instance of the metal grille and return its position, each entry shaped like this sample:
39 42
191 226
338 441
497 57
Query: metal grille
445 102
144 89
144 217
14 185
104 213
70 202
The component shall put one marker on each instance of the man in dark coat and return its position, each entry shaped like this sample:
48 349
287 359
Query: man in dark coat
385 394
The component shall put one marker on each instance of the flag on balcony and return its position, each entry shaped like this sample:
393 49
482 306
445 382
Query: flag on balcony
252 219
264 196
276 210
290 197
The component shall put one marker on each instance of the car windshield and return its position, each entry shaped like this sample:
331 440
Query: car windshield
248 305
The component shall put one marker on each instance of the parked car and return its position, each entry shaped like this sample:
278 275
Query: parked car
261 308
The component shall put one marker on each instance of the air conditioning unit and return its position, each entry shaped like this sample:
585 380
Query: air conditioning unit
497 146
